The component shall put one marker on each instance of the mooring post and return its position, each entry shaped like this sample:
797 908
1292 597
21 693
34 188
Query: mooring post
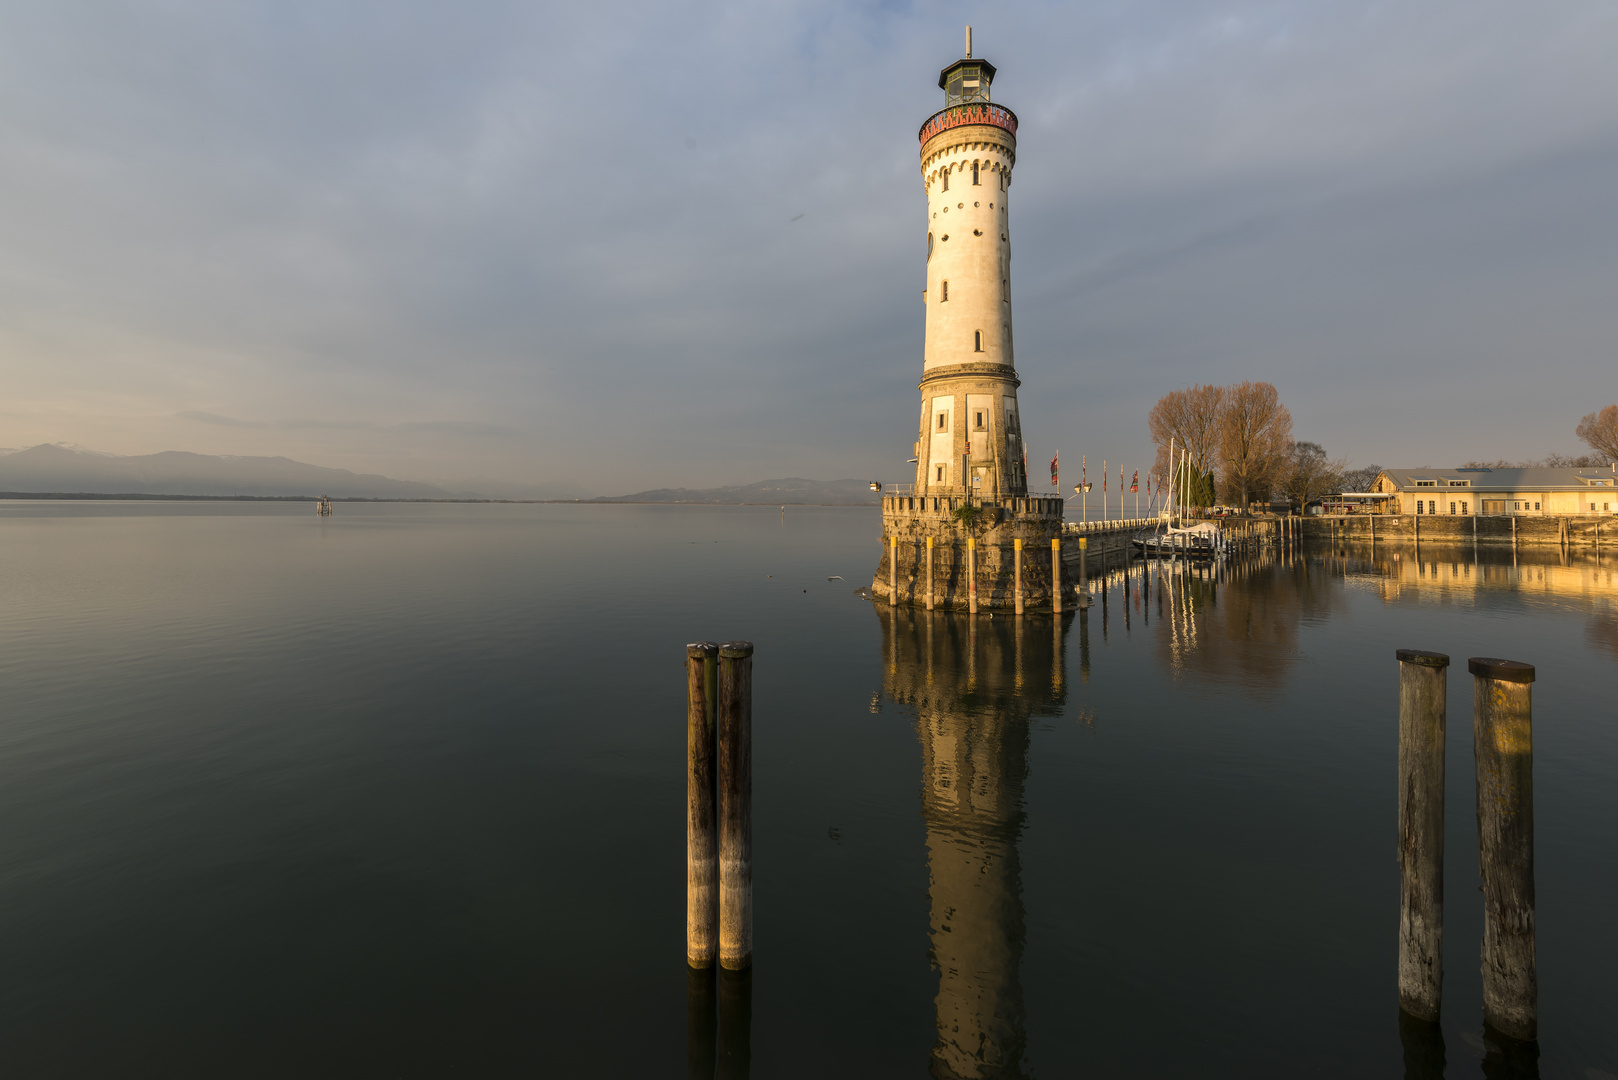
701 795
972 574
1422 685
893 548
1056 573
1016 561
929 573
735 725
1503 745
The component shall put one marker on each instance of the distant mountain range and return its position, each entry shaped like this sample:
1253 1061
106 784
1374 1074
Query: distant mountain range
51 469
792 490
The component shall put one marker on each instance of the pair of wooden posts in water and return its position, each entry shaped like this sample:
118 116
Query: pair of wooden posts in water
1503 745
719 859
719 805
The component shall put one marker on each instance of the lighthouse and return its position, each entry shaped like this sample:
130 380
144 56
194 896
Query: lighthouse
957 536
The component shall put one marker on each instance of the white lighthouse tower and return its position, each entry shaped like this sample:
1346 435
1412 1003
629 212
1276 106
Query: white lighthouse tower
971 481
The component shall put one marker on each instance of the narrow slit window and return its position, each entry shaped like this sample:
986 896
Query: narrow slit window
974 174
946 178
943 291
977 341
977 420
942 417
940 476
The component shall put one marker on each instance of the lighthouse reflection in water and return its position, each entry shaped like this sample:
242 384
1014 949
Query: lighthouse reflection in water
973 684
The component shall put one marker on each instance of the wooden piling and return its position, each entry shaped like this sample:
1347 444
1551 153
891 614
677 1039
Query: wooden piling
1422 686
1056 574
893 551
1503 745
1016 559
929 573
1084 570
701 795
735 731
972 574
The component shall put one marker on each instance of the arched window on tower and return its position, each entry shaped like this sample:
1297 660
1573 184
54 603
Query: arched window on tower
929 246
974 174
977 341
1002 179
946 177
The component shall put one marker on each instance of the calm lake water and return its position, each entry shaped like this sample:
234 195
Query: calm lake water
400 792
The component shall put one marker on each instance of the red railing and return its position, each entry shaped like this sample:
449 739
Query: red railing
956 116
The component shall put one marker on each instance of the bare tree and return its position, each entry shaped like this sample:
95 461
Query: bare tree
1600 430
1308 473
1255 434
1360 479
1190 418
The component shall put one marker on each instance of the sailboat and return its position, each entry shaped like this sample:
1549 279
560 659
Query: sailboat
1204 540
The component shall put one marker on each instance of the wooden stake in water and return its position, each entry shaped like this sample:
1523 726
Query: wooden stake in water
929 573
735 724
1422 684
1503 745
893 550
701 835
1016 556
1056 575
972 575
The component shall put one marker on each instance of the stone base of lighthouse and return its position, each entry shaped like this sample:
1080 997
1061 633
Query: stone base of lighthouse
908 522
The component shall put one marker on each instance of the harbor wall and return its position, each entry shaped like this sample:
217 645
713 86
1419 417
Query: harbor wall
1582 530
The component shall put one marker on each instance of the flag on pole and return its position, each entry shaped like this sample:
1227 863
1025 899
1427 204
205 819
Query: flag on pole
1134 483
1103 474
1084 473
1055 482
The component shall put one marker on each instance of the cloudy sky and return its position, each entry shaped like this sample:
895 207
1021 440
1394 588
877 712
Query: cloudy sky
559 249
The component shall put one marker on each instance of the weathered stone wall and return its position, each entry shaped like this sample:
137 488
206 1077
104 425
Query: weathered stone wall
1582 530
996 559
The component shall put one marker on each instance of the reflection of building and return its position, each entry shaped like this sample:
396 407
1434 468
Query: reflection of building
1457 569
973 683
1497 491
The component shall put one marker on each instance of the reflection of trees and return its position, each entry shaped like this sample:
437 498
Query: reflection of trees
1242 630
973 683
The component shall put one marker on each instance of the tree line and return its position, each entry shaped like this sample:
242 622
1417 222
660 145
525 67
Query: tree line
1238 448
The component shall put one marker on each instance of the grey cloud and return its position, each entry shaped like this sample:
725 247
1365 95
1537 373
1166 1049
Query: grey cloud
528 219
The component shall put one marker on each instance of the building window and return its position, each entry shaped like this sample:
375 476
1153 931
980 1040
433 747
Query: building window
1452 508
943 291
1464 509
974 174
1418 506
929 247
1432 506
942 419
977 422
1002 179
1536 506
946 178
940 474
977 341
